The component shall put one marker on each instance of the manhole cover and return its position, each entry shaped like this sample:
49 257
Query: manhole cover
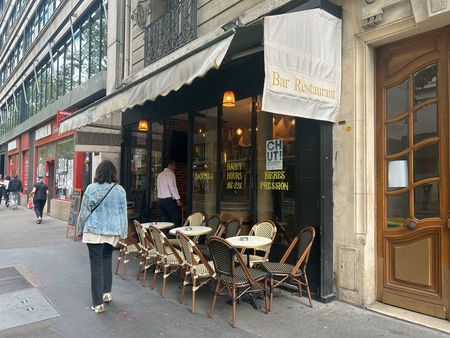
24 307
11 280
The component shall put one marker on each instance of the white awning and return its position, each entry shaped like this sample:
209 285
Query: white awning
161 82
302 60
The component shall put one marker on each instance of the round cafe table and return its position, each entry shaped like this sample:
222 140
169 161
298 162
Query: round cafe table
158 225
191 231
248 242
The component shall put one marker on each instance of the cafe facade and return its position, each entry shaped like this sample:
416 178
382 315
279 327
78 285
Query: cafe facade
245 145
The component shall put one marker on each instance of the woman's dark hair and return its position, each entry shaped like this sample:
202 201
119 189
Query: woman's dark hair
106 172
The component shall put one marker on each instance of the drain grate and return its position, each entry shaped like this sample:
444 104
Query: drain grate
12 280
24 307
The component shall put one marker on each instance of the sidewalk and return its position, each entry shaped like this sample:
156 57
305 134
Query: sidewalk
59 268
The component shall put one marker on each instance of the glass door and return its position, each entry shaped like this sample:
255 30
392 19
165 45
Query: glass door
236 164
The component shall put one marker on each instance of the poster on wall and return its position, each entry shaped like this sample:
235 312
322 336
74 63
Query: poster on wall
274 154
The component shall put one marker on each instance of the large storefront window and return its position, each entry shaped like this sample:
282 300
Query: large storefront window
42 157
204 161
275 166
236 160
64 168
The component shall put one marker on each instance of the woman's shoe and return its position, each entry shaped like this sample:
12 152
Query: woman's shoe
107 297
98 309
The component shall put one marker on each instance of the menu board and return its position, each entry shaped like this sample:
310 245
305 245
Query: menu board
75 207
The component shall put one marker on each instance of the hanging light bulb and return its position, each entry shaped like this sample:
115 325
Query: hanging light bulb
228 99
143 125
239 131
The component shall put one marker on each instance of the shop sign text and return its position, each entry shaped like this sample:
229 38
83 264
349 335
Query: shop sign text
274 154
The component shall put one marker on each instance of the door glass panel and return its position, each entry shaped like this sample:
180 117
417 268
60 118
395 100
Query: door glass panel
425 123
426 162
156 133
138 170
235 160
397 136
425 84
397 210
426 200
275 198
398 177
397 100
204 161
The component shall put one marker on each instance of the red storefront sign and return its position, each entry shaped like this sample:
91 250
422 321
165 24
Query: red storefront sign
60 115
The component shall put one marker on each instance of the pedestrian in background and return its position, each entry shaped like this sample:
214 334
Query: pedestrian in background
102 222
39 194
2 188
168 196
6 194
15 187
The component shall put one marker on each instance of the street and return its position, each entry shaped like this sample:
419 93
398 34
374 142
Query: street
58 269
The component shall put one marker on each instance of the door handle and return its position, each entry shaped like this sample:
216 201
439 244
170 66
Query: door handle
411 226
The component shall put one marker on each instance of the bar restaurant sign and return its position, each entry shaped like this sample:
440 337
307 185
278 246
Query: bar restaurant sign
302 60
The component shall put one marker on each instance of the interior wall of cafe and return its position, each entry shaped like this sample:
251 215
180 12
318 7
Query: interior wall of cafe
365 27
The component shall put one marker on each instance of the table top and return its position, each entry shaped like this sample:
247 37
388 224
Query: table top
249 242
158 225
191 231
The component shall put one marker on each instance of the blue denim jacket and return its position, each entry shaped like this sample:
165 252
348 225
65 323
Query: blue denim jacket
110 218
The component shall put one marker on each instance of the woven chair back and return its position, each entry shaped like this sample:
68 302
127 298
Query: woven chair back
196 219
158 240
214 223
222 256
265 229
305 240
232 228
140 232
187 249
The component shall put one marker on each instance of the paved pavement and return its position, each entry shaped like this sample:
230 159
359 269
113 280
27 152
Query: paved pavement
59 267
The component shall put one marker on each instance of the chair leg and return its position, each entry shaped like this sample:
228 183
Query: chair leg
163 289
185 282
125 263
233 315
144 278
118 261
139 270
266 303
213 304
154 275
308 291
194 284
271 294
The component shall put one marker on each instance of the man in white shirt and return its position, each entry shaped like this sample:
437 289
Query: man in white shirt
168 196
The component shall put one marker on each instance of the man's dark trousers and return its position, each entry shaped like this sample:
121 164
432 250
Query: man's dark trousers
168 211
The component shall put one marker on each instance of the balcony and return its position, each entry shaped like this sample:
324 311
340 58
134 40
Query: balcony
173 29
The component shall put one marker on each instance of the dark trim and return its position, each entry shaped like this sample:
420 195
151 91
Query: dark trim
326 5
326 213
253 169
219 152
190 145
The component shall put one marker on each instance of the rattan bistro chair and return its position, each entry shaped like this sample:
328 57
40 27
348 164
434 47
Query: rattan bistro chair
195 219
284 274
266 229
148 255
231 228
169 258
236 280
128 250
197 270
214 223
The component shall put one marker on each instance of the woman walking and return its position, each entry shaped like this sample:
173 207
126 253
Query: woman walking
102 222
39 194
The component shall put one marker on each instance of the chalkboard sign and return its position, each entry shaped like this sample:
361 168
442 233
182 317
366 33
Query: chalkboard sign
74 210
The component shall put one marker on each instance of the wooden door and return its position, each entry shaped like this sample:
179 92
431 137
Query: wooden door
412 173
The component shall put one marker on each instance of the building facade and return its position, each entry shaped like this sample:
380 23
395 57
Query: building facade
53 61
374 182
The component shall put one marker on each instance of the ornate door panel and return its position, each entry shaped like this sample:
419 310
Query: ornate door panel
412 180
